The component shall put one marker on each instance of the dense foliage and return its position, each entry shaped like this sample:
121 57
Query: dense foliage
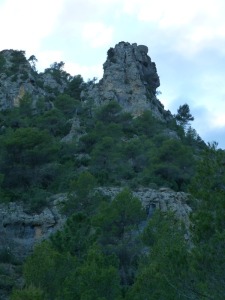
113 253
108 249
115 148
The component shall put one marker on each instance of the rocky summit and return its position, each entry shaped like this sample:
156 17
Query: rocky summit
130 77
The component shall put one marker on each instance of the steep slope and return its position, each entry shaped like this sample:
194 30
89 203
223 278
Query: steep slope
129 85
121 136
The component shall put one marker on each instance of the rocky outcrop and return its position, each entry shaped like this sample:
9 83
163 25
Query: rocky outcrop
18 77
130 77
21 230
163 199
75 131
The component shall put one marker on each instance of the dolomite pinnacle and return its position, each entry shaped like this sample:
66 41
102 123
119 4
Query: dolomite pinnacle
131 79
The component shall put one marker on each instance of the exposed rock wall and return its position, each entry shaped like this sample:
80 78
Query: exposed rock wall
130 77
163 199
21 230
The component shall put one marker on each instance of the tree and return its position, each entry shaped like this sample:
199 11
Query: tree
120 216
28 293
47 269
96 278
192 138
134 151
118 222
106 160
57 72
66 104
164 272
75 87
183 115
109 112
174 164
147 124
81 197
54 121
29 146
32 59
209 223
76 237
58 66
25 152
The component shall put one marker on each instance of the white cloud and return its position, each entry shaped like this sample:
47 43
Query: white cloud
87 72
87 22
97 34
219 120
206 127
79 12
174 12
211 86
190 26
165 13
24 24
47 57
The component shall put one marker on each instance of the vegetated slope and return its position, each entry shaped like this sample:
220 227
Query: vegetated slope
109 249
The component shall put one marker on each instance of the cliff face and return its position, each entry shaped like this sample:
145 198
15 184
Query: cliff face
130 77
163 199
21 230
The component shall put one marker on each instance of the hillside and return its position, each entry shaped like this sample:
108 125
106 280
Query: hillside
122 199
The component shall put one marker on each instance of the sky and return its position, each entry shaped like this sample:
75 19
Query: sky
186 40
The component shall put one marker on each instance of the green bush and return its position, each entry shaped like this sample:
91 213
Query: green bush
28 293
66 104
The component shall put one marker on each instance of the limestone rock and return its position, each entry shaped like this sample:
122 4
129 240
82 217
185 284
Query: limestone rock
50 82
76 130
130 77
17 77
164 199
21 230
